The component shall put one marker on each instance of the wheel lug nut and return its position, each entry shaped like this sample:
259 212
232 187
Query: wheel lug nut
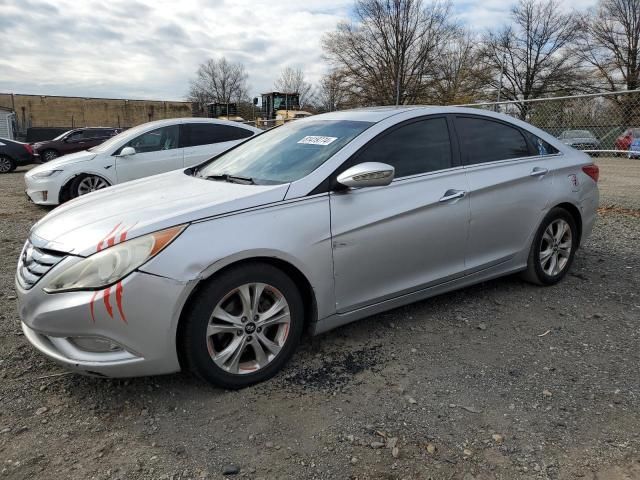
239 332
259 329
243 319
249 338
256 317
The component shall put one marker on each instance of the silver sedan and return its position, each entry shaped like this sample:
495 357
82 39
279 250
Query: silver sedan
220 268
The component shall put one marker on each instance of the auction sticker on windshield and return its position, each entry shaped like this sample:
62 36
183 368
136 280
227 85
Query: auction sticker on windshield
317 140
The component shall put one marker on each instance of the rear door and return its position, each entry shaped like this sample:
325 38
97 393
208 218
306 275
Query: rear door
510 173
205 140
408 235
157 151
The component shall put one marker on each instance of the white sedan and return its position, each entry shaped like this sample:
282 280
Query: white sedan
145 150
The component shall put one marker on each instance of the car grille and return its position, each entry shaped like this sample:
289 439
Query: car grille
34 263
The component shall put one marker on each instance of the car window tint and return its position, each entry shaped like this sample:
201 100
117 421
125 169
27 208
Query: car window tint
75 136
541 146
165 138
206 134
487 141
418 147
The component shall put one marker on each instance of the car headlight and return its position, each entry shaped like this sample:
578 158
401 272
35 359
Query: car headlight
46 174
112 264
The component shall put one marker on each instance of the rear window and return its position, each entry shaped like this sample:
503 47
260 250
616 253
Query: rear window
485 141
207 133
542 147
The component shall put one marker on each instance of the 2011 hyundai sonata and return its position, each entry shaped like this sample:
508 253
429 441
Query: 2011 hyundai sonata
218 269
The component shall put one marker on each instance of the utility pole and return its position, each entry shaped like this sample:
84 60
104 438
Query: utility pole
504 59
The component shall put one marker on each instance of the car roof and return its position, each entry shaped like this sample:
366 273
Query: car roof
174 121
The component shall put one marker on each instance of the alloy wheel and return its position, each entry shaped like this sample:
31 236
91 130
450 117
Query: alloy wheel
91 183
5 165
50 155
555 247
248 328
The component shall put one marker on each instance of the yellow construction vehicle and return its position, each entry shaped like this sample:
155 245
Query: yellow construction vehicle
278 108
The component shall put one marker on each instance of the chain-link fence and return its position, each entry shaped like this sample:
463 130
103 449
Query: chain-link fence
603 123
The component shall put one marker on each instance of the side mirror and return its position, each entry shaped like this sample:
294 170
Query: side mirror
127 152
368 174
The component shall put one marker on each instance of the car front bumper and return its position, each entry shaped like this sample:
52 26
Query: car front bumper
138 319
42 191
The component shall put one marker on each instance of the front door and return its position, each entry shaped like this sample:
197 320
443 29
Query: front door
411 234
156 152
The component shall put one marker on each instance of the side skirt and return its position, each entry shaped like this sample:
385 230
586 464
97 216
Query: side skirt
339 319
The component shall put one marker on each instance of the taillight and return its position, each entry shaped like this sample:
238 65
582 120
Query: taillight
28 148
593 171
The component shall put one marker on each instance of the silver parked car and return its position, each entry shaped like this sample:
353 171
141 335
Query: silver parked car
218 269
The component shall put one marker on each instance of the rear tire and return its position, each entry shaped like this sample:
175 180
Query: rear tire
553 248
242 326
49 155
7 164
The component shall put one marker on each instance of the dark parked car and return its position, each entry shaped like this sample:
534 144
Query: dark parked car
580 139
14 153
72 141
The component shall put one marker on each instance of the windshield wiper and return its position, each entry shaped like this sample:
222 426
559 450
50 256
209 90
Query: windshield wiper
226 177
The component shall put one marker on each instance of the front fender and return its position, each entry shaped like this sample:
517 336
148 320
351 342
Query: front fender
296 232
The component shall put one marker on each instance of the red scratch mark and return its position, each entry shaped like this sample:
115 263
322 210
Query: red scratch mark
119 301
107 303
93 299
123 235
107 236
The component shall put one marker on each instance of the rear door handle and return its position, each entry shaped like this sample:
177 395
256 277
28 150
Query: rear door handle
538 172
452 195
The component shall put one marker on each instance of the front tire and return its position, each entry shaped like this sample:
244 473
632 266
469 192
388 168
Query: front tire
242 326
83 184
7 164
553 249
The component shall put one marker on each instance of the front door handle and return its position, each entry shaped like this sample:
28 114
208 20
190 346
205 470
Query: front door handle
452 195
538 172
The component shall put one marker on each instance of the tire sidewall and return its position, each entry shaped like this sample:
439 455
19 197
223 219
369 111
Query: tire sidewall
12 164
194 346
555 214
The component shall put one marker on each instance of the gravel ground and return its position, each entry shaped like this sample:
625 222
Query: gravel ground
502 380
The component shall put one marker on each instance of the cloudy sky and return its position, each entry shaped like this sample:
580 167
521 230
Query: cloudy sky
151 48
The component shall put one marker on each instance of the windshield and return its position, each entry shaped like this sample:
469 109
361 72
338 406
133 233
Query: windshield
578 134
286 153
61 136
116 140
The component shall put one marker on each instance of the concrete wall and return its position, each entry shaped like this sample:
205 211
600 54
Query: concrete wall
54 111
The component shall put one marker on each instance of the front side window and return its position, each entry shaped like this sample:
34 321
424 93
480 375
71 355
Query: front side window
165 138
484 141
287 153
418 147
75 136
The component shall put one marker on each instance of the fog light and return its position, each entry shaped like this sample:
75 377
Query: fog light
43 193
95 344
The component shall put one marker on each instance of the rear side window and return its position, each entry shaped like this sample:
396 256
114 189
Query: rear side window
418 147
540 146
206 133
484 141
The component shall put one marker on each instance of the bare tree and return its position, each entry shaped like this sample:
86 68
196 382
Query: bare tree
461 74
533 52
331 93
386 54
291 80
218 81
610 43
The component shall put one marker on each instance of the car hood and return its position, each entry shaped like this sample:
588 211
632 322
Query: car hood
144 206
63 161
